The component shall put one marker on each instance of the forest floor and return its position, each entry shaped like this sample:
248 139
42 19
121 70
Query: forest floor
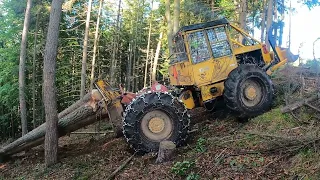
220 148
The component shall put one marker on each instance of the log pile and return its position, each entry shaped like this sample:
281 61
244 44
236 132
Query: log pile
80 114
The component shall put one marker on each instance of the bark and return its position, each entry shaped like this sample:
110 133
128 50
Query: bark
151 67
78 118
242 17
166 151
269 21
22 69
176 16
148 49
169 26
49 87
129 66
95 44
155 62
243 14
34 73
212 7
85 51
87 98
114 49
263 20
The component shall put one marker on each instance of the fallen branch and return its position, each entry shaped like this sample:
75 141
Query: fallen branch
294 106
114 173
105 132
313 107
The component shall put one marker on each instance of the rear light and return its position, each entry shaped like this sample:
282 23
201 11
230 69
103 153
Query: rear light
264 49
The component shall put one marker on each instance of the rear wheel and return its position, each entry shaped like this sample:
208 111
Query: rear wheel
152 118
248 91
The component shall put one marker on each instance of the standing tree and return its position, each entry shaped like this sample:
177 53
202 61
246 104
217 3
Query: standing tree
269 20
263 19
176 16
148 49
49 87
85 51
95 44
22 69
169 26
115 48
156 57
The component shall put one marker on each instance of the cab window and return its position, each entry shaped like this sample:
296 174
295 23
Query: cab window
179 50
218 40
198 47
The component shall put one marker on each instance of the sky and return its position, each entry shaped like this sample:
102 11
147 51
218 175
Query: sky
305 29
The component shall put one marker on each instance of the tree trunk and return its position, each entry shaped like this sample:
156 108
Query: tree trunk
169 26
95 44
83 114
263 20
243 17
148 49
85 51
34 73
176 16
269 21
49 87
114 49
166 151
275 27
212 7
151 67
22 69
290 25
156 57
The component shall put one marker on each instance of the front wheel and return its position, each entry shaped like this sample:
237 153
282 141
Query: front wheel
248 91
152 118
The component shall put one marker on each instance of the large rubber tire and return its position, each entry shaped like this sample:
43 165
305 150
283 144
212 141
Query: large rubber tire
235 90
159 103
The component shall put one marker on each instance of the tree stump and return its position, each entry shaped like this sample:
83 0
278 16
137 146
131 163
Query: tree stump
166 151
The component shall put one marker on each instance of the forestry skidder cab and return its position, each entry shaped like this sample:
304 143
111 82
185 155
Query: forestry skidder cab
211 61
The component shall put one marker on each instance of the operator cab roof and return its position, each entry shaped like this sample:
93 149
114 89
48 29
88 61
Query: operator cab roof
204 25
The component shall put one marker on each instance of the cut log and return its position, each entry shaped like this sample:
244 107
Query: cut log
93 96
74 120
294 106
166 151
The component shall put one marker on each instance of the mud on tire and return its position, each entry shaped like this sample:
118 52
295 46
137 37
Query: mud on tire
156 103
238 89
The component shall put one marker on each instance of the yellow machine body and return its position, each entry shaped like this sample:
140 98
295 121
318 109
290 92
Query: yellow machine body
205 54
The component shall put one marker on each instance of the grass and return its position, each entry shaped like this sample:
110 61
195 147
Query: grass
273 122
307 163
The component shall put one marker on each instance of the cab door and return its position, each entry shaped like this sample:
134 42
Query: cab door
200 56
224 61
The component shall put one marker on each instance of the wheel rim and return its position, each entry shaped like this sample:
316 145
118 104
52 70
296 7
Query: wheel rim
252 92
156 125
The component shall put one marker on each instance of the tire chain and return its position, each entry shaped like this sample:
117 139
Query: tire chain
129 128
